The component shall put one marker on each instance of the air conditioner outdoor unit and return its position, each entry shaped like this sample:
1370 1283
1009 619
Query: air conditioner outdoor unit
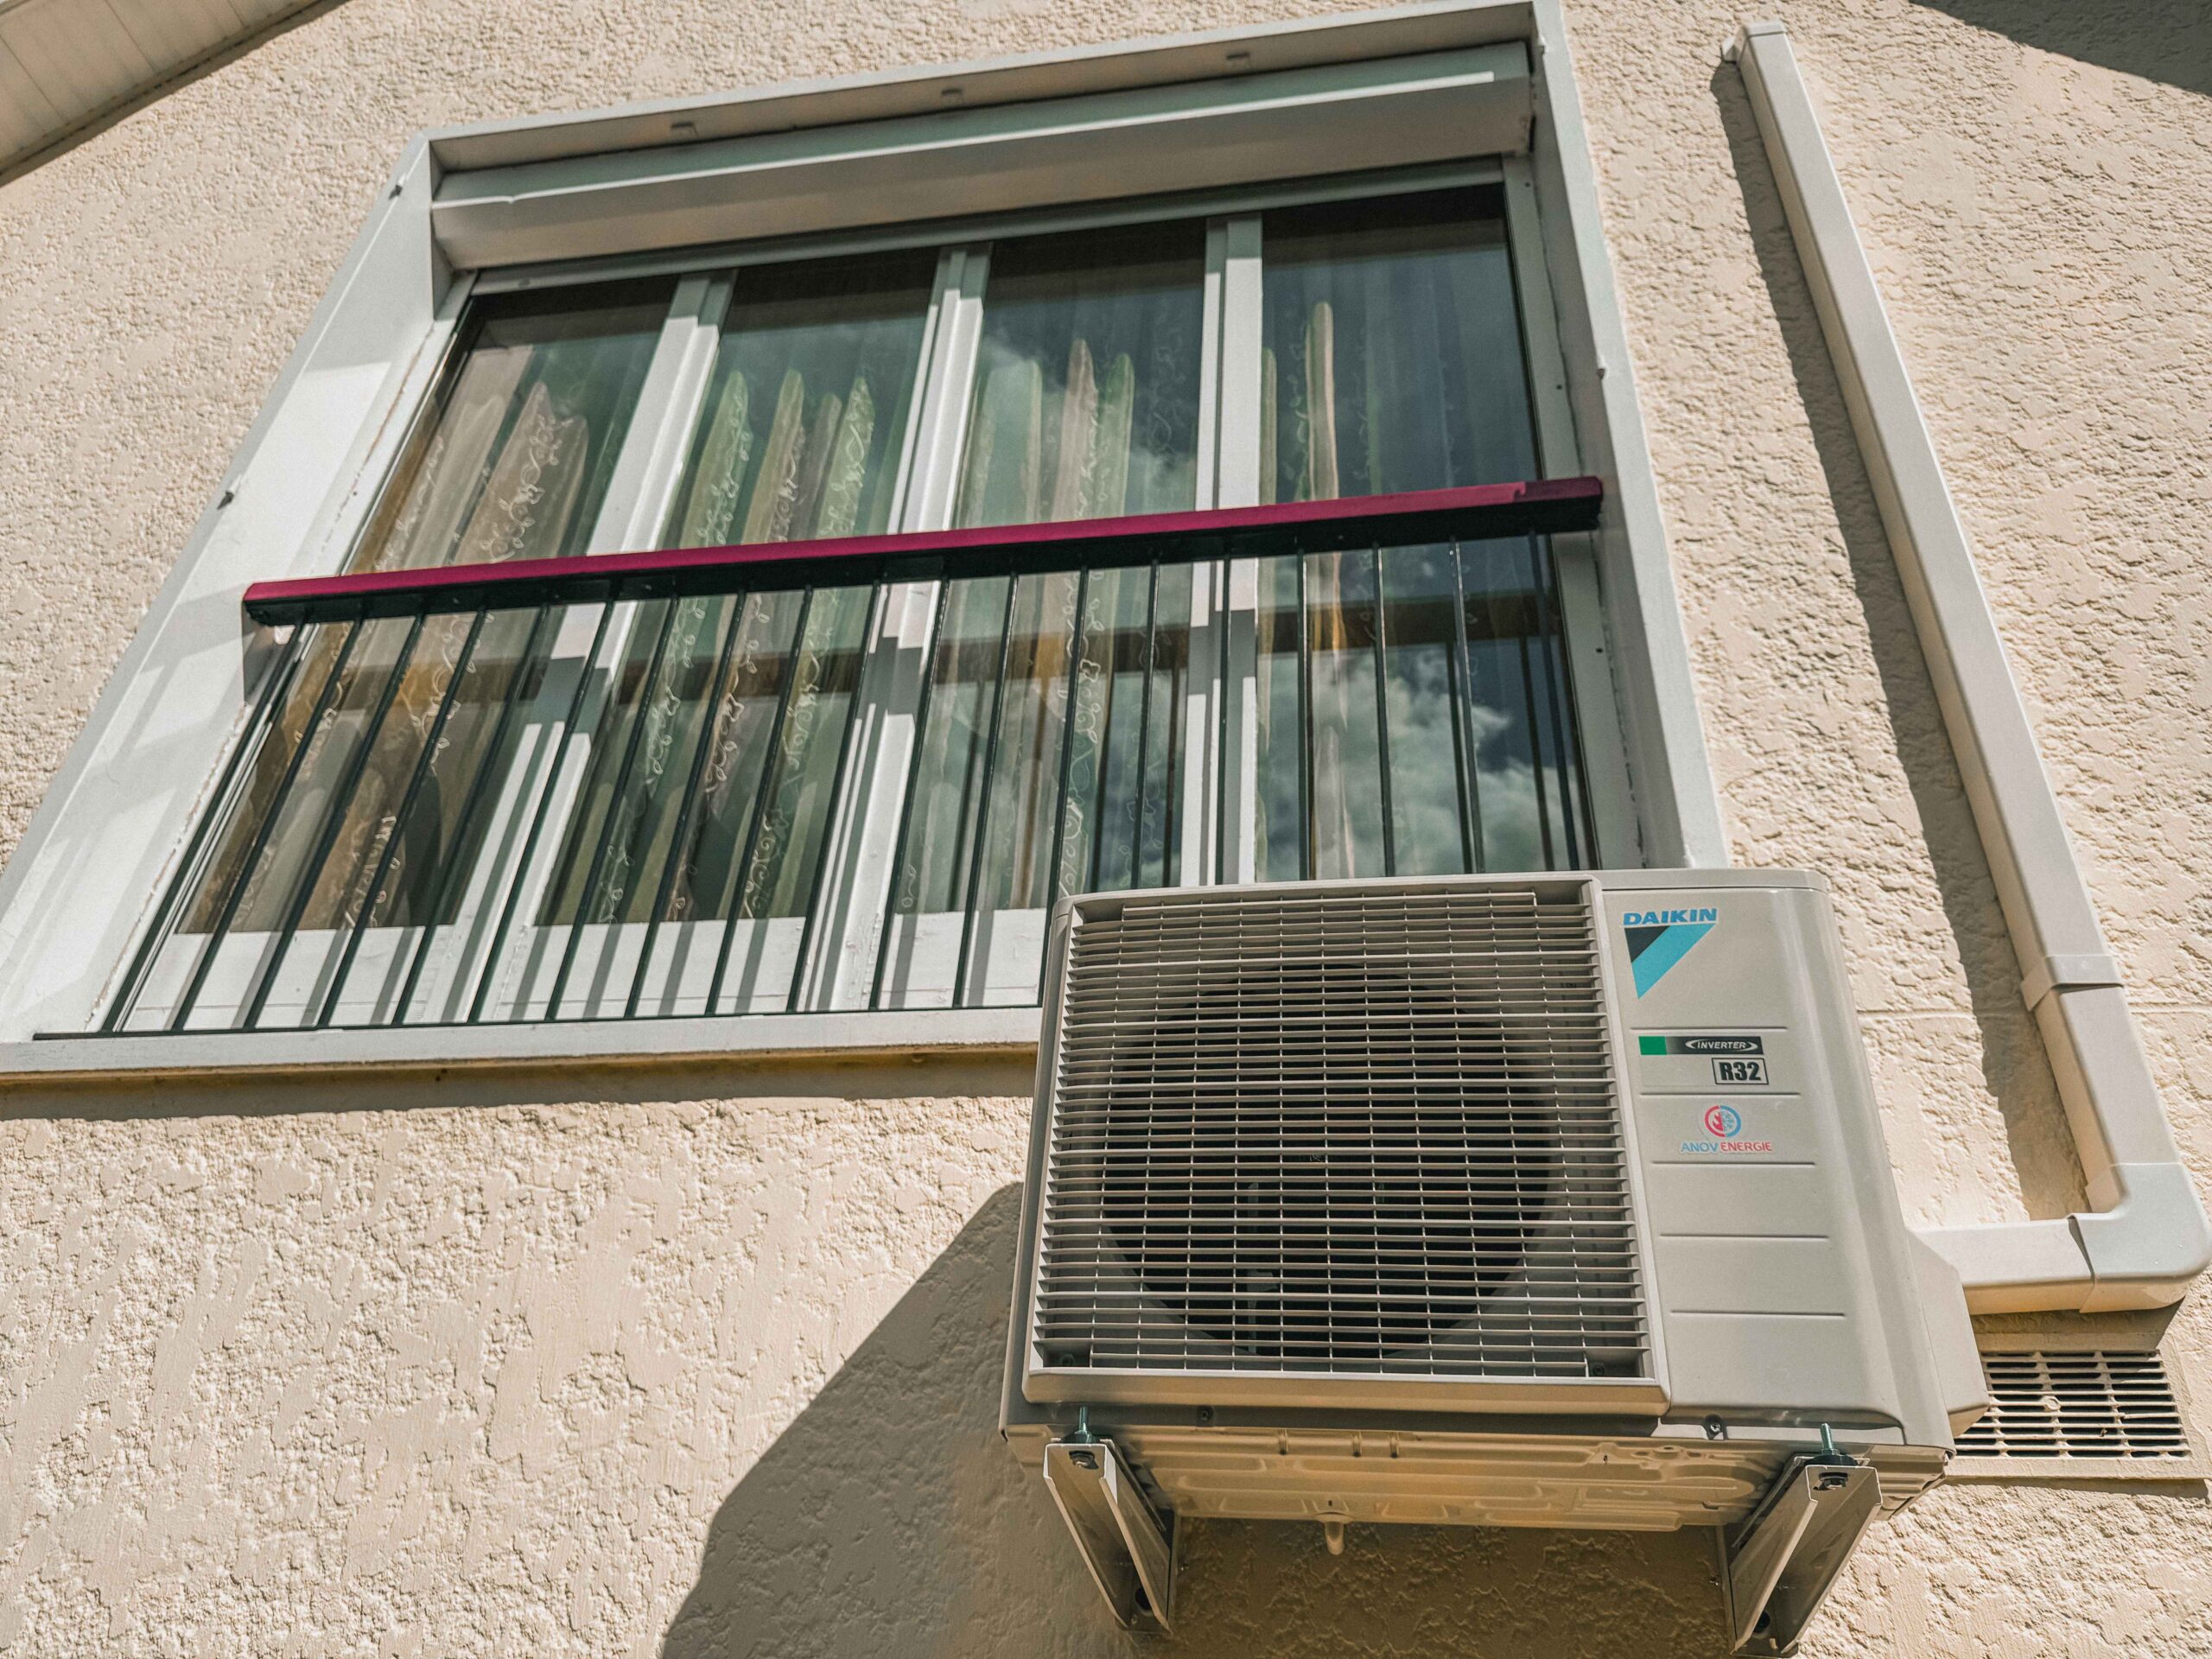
1527 1201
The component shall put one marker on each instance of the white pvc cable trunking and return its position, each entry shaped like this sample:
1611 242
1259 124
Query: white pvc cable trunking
2143 1239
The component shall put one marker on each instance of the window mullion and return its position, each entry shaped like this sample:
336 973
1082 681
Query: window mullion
854 920
1229 787
925 409
1204 691
469 881
635 511
942 427
1210 330
541 787
1237 366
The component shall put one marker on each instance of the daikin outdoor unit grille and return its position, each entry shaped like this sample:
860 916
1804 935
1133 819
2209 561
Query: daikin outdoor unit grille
1337 1146
1539 1200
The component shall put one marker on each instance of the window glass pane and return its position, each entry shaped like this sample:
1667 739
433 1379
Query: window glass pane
1051 762
667 772
1431 725
276 760
1532 811
1086 401
597 846
691 857
1347 762
526 424
1278 827
1022 807
748 711
671 741
1021 813
1101 849
782 879
742 736
1127 776
1392 349
805 419
947 782
386 781
444 825
297 803
1427 716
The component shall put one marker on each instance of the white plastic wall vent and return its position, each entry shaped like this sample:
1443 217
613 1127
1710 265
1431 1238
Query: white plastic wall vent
2064 1407
1552 1200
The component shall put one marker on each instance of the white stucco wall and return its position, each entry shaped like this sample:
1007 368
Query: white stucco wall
599 1362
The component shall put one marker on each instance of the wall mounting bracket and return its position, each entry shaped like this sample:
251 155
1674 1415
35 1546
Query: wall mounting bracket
1778 1567
1131 1555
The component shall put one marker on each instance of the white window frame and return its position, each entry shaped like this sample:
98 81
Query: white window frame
1224 119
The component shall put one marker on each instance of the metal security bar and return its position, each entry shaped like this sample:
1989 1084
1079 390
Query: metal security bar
616 787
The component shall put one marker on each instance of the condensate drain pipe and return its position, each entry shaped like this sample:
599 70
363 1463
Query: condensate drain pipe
2143 1239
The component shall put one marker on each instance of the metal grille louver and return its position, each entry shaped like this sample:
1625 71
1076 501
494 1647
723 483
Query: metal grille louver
2092 1404
1359 1132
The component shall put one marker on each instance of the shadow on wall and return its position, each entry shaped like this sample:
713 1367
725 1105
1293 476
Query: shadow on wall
890 1518
2168 41
2015 1068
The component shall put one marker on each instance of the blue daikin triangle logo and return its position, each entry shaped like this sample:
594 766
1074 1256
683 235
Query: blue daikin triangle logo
1658 940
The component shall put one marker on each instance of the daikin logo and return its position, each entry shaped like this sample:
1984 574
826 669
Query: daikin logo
1658 940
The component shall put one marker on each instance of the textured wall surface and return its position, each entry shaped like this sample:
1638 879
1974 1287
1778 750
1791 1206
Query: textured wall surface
705 1363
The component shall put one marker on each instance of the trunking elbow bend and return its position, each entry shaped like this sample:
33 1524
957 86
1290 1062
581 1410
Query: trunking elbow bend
2145 1239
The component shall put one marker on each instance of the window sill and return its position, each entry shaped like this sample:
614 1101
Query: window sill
934 1034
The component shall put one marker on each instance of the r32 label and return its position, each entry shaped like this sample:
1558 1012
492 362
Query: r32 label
1738 1071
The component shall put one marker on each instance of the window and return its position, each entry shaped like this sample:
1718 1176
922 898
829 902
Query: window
746 785
755 556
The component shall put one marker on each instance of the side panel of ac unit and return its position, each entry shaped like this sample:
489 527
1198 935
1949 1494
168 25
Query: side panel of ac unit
1786 1288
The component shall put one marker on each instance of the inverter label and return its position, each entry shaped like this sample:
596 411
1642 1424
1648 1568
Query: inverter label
1653 1043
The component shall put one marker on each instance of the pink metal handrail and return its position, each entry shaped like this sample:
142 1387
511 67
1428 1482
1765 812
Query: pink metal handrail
1533 507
